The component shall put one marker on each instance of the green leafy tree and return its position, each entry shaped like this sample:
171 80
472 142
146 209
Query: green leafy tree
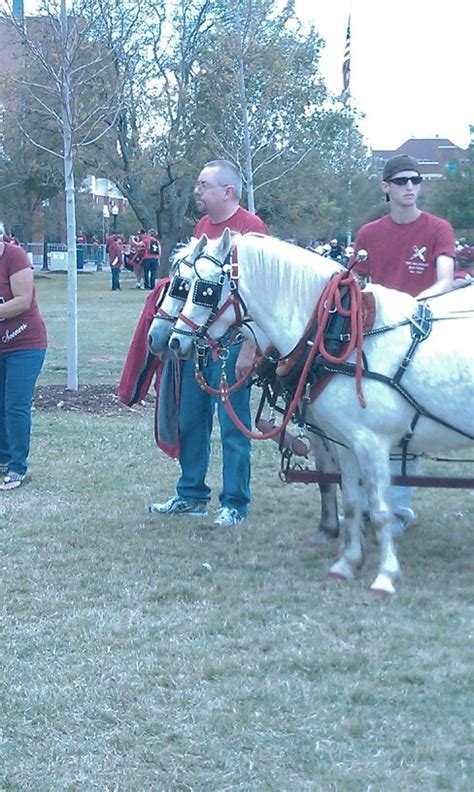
262 102
238 80
153 153
452 196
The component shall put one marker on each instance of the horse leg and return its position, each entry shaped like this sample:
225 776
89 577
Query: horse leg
329 523
377 468
352 555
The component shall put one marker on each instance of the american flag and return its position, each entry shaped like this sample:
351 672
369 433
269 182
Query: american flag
346 64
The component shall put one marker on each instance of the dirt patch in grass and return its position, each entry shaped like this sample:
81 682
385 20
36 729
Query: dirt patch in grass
99 399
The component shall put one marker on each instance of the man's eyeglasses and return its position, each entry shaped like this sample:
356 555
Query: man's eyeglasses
401 181
203 185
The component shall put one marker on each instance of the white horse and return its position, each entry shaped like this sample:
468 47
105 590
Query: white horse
158 337
280 286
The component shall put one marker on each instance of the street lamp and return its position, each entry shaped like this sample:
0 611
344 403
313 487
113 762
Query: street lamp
115 211
105 216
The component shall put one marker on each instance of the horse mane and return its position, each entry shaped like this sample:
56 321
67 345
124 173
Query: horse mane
287 266
180 251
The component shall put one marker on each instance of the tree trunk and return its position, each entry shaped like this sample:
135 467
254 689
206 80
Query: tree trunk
244 110
72 379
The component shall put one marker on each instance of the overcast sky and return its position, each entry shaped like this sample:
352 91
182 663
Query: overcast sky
412 65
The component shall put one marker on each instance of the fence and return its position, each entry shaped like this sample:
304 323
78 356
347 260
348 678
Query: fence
53 256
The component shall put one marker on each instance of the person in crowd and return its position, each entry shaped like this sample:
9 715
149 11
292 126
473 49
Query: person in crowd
217 194
151 258
23 343
137 250
464 268
335 250
411 251
114 252
96 249
11 238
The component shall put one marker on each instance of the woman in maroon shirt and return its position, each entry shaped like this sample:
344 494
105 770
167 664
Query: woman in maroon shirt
23 343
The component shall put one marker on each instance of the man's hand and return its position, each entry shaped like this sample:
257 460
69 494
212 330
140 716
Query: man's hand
245 359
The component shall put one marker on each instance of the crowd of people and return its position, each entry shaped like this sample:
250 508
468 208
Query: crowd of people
140 254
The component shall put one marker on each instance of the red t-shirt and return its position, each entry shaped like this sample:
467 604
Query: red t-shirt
403 256
27 330
114 250
241 221
152 247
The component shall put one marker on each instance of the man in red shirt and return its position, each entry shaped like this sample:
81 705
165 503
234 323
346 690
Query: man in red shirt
411 251
408 249
217 193
151 258
114 250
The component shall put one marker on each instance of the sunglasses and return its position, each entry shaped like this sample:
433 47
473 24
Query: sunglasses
401 181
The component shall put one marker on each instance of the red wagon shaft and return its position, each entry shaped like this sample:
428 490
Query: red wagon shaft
308 476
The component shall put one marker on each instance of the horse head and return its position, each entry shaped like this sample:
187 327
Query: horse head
175 298
207 312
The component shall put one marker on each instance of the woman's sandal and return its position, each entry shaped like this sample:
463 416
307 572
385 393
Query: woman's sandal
12 480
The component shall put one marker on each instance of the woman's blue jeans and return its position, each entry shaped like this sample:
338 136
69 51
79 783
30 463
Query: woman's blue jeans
19 371
196 412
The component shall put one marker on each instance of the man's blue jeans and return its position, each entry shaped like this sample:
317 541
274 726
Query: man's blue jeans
115 278
19 371
195 425
150 267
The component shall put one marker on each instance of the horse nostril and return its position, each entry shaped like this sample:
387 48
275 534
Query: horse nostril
174 344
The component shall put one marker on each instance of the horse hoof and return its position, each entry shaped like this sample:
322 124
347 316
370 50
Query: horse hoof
337 576
382 587
380 594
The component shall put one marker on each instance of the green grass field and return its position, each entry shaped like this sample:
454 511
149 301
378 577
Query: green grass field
147 653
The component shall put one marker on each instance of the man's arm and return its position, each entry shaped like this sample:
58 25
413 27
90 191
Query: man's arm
245 358
444 275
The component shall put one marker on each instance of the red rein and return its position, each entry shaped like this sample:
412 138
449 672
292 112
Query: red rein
329 301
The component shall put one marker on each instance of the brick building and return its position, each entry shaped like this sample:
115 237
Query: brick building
436 156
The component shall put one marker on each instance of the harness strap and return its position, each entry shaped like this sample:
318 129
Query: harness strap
420 328
404 443
349 369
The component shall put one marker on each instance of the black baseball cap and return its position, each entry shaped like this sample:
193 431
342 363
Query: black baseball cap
401 162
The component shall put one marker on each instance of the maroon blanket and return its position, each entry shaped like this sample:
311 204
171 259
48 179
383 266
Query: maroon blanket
141 367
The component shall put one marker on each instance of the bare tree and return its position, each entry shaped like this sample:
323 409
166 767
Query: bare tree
277 105
158 139
67 79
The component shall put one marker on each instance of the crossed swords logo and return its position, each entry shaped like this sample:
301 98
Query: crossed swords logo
418 253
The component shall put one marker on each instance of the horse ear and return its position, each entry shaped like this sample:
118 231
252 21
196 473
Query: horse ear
201 244
227 240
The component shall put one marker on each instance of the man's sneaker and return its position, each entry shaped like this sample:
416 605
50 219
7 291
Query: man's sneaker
226 516
177 505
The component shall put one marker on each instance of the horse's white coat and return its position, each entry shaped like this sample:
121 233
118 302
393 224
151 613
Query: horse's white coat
281 285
